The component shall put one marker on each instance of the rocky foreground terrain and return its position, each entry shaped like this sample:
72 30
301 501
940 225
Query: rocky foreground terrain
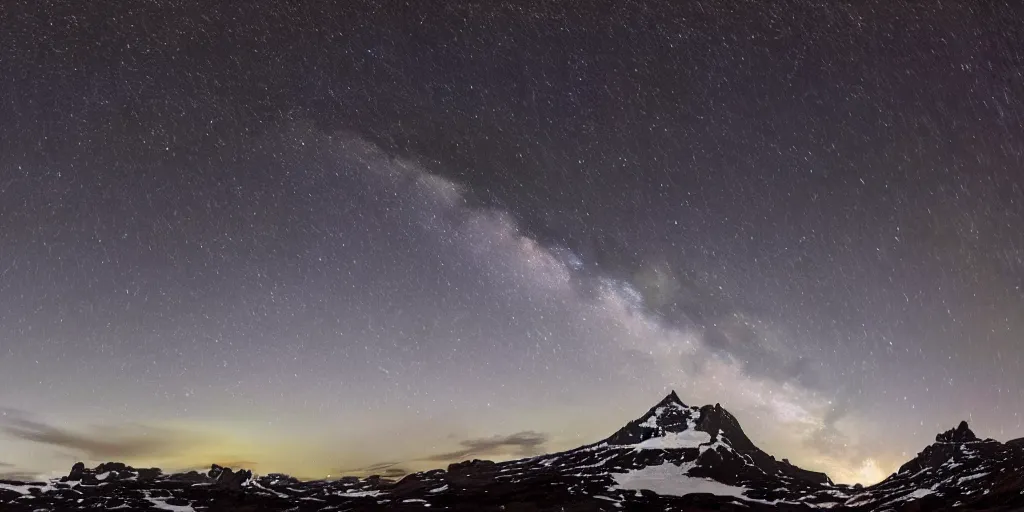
675 457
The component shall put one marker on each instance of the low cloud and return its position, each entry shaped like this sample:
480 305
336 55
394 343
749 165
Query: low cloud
377 467
526 444
19 476
385 469
8 473
111 442
394 473
237 464
232 464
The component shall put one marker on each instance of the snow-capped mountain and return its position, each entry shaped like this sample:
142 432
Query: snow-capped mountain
674 457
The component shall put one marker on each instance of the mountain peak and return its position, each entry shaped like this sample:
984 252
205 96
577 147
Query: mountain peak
670 399
670 415
715 435
948 446
961 434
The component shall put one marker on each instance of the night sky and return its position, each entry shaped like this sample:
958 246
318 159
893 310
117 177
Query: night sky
368 237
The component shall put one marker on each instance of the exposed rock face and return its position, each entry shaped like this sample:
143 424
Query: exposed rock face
717 422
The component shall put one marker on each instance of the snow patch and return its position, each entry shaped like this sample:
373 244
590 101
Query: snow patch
593 448
918 494
826 504
275 493
599 463
652 422
970 477
15 488
714 446
670 479
676 440
360 494
159 503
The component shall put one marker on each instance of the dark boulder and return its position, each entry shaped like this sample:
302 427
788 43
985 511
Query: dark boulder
279 479
77 473
228 479
111 466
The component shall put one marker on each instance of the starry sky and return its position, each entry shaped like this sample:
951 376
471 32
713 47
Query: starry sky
377 237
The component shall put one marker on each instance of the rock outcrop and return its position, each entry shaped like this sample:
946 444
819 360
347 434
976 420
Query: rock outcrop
961 434
228 479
